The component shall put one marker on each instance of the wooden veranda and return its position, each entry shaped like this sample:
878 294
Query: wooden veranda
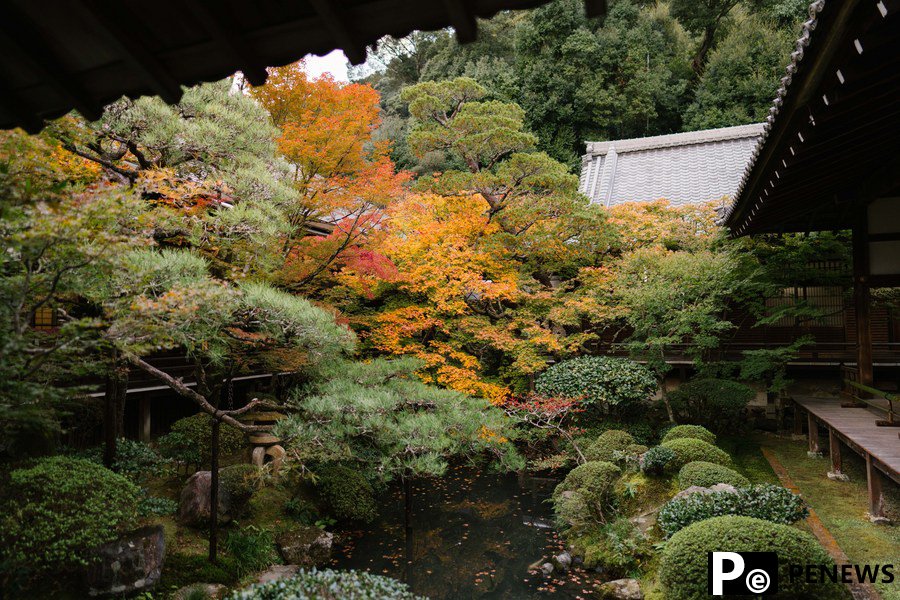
855 428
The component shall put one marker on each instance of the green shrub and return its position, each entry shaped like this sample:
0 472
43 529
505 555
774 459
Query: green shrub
135 460
346 493
716 403
601 380
55 510
190 439
238 483
252 548
767 502
610 446
328 585
691 450
657 459
683 569
153 506
690 431
301 510
618 549
586 497
707 474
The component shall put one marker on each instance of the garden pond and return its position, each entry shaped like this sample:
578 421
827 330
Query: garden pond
474 534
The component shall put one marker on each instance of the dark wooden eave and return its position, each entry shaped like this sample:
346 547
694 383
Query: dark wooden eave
56 55
833 134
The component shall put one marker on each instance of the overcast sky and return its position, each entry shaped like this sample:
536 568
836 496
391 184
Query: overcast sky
334 63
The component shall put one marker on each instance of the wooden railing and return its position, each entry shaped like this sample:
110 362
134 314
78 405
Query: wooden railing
869 397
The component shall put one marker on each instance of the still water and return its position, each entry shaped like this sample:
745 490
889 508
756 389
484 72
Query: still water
474 535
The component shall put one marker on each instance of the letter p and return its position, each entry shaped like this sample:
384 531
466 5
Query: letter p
719 575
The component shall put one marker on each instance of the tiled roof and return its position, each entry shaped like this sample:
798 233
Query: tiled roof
684 168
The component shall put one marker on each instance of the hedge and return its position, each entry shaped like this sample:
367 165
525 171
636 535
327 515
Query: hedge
601 380
683 568
328 585
609 446
690 431
707 474
690 450
766 501
586 497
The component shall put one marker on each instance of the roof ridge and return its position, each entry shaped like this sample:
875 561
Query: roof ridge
687 138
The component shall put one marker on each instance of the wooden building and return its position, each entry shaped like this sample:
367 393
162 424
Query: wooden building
829 160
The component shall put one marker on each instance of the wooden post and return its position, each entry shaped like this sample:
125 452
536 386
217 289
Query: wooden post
214 493
862 299
813 433
144 419
109 422
876 493
798 419
834 449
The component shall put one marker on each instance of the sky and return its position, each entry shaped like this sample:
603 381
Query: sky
335 63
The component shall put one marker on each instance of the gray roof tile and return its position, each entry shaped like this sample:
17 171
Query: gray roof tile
684 168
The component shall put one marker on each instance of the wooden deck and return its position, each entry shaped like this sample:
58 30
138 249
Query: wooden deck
856 429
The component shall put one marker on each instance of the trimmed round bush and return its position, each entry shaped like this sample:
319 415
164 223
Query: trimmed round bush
657 459
238 483
609 446
768 502
716 403
346 493
683 568
691 450
328 585
586 497
54 511
600 380
635 449
190 440
707 474
690 431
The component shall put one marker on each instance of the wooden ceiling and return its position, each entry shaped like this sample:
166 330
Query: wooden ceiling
56 55
832 140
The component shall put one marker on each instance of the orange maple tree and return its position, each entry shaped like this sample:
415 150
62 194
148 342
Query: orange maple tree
344 179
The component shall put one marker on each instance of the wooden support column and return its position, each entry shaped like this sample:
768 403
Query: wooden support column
144 419
813 433
834 449
798 419
876 494
862 298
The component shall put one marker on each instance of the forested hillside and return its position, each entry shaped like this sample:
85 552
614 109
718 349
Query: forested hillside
647 68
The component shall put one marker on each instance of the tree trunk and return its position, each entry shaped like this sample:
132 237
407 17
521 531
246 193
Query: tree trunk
121 376
214 492
665 398
109 422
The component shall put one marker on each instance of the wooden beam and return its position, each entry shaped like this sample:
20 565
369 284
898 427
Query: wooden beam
27 40
813 434
834 449
462 20
340 31
876 492
230 39
798 419
862 297
108 17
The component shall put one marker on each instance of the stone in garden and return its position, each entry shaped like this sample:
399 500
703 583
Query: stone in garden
212 591
305 546
276 572
837 476
620 589
194 504
562 562
133 563
547 569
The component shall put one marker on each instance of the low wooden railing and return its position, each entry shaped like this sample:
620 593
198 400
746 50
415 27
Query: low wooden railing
869 396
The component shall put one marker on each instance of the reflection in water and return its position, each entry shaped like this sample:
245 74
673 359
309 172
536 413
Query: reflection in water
474 535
